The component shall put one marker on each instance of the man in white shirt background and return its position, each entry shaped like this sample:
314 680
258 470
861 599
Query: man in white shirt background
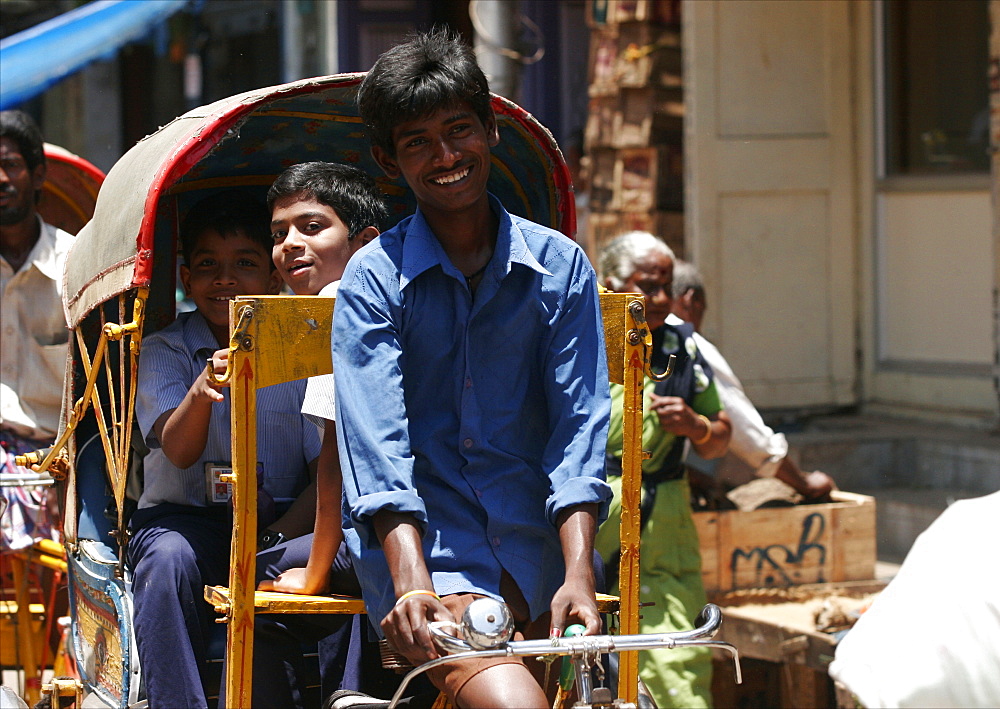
754 444
33 333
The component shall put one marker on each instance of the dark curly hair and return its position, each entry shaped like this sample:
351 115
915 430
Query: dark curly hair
427 72
22 129
228 212
350 192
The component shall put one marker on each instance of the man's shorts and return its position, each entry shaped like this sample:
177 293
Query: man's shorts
451 677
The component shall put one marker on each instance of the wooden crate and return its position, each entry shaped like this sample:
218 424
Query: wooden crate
600 170
787 546
635 118
600 128
607 13
647 179
646 55
647 117
602 227
784 653
655 11
603 63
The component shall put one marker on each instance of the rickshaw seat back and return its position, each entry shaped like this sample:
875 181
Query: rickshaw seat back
288 338
295 333
292 334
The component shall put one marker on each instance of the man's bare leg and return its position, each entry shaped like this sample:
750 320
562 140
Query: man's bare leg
508 686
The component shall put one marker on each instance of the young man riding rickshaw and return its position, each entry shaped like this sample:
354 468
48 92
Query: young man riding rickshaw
120 288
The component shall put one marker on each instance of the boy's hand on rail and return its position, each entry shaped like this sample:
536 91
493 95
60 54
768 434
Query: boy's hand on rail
405 627
183 432
203 387
295 581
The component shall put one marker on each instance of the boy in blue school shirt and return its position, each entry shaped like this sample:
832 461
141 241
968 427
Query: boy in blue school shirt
472 394
182 530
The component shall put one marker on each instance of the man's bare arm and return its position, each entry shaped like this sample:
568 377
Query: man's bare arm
575 600
405 626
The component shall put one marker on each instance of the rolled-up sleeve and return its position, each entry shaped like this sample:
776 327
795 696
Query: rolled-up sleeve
578 398
372 430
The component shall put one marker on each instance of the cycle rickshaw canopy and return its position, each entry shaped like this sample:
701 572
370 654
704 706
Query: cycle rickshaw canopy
246 141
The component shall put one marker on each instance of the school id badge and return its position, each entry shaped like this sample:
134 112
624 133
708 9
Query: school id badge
217 490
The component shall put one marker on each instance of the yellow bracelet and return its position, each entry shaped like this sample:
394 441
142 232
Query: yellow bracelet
708 433
417 592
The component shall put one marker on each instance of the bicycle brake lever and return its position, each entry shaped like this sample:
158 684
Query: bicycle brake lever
447 642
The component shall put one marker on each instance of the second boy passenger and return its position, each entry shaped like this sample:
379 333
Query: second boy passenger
321 214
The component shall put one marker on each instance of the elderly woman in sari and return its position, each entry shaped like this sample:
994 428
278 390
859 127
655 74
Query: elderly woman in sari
685 407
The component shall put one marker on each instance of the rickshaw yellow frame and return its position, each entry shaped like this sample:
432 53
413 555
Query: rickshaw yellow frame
115 435
282 338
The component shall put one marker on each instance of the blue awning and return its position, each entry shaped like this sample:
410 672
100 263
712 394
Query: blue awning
33 60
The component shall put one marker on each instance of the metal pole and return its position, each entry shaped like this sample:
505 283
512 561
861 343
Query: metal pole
496 23
994 91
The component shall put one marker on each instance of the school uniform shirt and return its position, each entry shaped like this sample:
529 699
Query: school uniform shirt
171 359
318 405
34 337
482 416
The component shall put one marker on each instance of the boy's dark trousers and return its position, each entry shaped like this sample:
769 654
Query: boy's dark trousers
279 669
175 551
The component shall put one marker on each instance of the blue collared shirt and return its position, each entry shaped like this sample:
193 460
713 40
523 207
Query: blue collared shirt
286 442
484 417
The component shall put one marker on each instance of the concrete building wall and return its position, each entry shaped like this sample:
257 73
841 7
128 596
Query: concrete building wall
771 199
829 284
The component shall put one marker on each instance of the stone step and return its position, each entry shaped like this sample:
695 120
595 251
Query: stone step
913 469
903 513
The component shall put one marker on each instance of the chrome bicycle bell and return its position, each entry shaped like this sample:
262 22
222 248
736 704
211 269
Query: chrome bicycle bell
487 624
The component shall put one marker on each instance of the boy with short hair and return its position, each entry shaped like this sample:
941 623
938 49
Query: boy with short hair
477 335
181 532
321 214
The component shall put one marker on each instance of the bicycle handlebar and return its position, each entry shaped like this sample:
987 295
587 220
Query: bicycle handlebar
580 646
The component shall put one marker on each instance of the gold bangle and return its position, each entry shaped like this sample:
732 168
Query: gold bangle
708 433
417 592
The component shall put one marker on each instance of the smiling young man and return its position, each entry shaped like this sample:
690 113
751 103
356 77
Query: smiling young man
480 470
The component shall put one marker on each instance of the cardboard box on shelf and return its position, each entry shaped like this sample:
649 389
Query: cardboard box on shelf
648 179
